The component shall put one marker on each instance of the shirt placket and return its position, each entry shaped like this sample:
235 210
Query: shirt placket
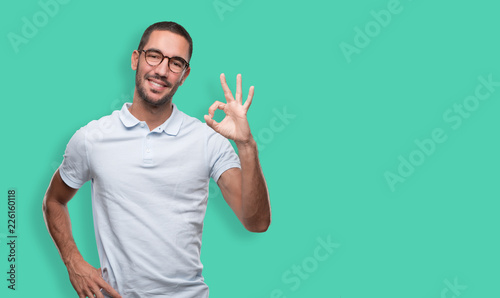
147 148
148 144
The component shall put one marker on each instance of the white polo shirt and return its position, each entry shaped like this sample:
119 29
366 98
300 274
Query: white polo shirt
149 196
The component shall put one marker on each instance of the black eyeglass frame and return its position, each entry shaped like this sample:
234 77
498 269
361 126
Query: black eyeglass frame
163 58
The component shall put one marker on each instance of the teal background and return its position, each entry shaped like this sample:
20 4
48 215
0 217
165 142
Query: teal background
324 166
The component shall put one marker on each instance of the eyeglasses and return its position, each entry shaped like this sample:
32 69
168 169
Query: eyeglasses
176 64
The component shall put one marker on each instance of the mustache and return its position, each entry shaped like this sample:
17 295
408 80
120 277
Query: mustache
160 78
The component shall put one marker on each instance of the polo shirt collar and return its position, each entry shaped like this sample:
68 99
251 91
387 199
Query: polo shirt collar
126 117
170 127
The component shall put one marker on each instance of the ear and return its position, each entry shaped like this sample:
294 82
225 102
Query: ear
185 75
135 59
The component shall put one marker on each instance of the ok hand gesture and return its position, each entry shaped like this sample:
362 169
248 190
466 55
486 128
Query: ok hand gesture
235 125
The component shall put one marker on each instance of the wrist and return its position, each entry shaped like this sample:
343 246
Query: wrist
72 257
246 144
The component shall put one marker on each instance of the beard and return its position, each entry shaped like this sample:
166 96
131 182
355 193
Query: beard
141 90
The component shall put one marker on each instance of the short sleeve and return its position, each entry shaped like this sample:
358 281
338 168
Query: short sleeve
221 155
75 170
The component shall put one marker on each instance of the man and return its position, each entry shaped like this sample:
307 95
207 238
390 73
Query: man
150 166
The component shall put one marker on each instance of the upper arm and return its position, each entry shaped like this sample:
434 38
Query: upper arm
58 191
230 186
224 166
75 169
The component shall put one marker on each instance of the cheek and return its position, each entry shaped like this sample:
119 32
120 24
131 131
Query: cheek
141 70
143 74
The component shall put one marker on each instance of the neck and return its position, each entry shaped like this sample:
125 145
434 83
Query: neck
154 116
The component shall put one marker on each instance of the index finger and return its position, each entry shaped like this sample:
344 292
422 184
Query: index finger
225 87
217 105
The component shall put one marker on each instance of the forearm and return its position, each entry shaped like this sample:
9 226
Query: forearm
255 205
58 224
86 279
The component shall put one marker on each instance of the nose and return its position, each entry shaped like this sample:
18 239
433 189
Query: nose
162 69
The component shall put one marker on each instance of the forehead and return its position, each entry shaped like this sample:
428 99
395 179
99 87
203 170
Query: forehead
169 43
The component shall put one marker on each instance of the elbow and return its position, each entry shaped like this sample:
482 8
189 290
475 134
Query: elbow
45 209
258 227
258 230
258 222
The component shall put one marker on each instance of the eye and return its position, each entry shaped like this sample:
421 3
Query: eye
178 62
154 56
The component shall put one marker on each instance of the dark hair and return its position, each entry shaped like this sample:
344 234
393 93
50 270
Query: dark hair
166 26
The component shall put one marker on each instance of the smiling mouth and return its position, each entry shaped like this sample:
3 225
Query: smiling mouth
157 85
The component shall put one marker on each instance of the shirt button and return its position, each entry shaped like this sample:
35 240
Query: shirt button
147 150
148 137
142 124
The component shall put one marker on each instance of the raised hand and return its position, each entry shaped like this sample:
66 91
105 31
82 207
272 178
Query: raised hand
234 126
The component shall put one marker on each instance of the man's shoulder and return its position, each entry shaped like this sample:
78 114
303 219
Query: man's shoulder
190 123
104 124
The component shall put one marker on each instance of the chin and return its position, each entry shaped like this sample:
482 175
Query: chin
158 101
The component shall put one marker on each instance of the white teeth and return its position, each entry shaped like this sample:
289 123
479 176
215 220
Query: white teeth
156 84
